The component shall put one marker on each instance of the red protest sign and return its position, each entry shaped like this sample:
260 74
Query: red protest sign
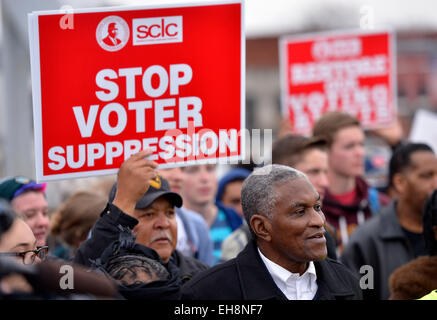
344 71
113 81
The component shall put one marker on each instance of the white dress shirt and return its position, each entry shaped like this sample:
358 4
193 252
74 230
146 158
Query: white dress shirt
293 285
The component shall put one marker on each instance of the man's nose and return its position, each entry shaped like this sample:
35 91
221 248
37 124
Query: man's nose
323 181
204 174
42 220
178 174
317 219
162 221
360 151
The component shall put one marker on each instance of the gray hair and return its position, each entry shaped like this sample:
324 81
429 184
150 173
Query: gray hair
258 195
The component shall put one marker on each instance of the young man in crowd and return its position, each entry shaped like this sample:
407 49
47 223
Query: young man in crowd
27 198
308 155
394 237
199 188
418 278
349 200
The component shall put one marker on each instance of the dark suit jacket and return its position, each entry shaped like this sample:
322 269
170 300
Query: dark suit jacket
247 278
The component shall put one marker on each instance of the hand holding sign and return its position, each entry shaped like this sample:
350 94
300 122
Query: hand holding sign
285 127
392 134
133 180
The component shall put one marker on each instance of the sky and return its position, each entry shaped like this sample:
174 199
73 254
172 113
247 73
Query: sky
275 17
272 17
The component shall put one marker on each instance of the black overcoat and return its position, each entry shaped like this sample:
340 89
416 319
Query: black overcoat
247 278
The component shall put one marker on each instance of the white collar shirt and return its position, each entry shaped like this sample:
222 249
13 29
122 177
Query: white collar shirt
293 285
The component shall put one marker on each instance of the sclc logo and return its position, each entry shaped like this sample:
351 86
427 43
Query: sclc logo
157 30
112 33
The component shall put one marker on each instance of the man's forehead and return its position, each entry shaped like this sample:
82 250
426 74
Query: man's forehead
343 131
422 159
314 151
30 198
313 156
297 188
234 184
26 236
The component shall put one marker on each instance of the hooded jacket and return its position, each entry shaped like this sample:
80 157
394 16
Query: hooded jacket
232 217
232 175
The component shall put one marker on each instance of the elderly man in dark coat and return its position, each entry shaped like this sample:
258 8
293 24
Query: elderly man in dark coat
143 202
287 258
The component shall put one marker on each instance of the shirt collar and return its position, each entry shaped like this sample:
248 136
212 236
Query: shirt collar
281 274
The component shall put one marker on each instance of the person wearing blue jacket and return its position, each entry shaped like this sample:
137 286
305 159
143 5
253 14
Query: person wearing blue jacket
199 188
229 189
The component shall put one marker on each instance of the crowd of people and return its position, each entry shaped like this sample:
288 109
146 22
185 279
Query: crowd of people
303 227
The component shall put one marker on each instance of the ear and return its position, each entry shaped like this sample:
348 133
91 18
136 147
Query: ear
261 226
399 182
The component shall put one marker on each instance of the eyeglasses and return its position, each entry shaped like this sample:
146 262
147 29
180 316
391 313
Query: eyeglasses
29 256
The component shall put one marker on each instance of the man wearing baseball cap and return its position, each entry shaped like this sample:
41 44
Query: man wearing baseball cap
141 200
27 198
